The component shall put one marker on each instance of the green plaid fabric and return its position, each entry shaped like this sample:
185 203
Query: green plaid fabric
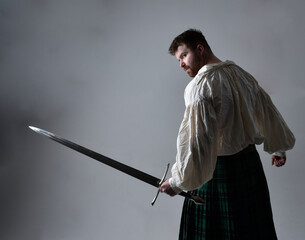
237 203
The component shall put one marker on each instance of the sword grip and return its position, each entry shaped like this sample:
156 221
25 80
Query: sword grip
160 183
196 199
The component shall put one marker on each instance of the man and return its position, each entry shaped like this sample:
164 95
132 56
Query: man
226 114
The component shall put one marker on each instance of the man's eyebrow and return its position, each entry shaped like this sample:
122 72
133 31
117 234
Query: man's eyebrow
182 54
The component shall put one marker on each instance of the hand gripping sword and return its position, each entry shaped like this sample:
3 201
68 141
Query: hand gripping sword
117 165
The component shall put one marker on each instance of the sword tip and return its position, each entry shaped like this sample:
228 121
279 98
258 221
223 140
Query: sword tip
41 131
34 128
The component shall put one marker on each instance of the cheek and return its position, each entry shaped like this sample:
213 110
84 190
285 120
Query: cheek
192 64
188 62
191 61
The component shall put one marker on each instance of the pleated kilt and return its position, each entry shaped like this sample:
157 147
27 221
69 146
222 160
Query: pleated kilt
237 202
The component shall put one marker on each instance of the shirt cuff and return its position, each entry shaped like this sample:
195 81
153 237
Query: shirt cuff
280 154
173 186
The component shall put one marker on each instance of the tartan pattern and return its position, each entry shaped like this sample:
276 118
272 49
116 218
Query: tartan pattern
237 203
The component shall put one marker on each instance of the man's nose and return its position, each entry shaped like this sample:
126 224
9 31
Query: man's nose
182 64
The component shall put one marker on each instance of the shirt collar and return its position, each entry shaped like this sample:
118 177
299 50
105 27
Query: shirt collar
208 67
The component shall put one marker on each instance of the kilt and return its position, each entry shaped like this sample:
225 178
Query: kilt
237 203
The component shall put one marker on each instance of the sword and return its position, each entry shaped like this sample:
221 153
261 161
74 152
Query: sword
117 165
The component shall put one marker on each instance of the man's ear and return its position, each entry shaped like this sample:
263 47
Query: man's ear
200 49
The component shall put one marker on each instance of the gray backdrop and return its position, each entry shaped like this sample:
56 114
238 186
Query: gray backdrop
98 73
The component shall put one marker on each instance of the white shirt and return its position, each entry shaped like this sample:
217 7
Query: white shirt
226 110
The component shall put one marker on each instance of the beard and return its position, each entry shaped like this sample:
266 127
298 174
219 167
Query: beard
193 67
192 70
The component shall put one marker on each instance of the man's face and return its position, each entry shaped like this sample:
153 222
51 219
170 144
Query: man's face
189 60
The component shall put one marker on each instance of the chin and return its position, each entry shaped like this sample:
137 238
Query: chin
191 74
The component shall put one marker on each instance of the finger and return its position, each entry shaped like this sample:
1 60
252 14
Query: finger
273 160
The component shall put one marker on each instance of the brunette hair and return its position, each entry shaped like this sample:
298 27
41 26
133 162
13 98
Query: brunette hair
191 38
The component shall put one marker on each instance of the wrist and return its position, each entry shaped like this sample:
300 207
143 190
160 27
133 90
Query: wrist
280 154
173 186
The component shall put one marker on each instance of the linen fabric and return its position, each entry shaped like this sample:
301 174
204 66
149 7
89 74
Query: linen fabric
226 110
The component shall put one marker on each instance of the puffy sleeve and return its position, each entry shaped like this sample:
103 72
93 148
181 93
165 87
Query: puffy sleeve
277 135
196 147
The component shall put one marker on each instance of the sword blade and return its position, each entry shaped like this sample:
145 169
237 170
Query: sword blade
101 158
112 163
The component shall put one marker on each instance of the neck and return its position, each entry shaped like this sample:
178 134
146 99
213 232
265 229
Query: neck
211 58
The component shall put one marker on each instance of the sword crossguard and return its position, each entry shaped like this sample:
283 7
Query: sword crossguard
160 183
